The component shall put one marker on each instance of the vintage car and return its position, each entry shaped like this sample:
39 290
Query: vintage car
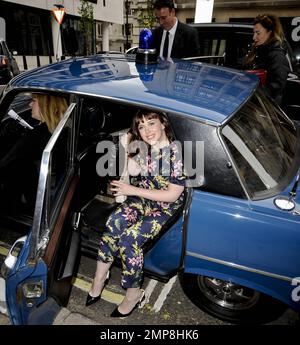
236 242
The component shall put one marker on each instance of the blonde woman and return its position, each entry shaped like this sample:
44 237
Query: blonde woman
18 167
48 109
269 53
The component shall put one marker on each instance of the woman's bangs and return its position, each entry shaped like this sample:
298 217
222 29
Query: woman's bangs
149 116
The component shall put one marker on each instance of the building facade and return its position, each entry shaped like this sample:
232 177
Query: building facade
33 32
31 29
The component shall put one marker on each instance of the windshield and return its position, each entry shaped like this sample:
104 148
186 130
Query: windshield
263 144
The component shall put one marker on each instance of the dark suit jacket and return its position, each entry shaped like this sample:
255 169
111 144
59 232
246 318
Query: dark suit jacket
185 43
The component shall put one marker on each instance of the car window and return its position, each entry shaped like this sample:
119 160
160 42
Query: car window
231 45
218 47
200 142
238 47
262 143
211 45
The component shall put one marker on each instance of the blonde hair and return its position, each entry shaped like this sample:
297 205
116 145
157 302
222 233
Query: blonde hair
52 109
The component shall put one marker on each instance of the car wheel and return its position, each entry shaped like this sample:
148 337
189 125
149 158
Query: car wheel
230 302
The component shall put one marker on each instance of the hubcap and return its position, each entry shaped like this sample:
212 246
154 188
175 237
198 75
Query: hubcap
227 294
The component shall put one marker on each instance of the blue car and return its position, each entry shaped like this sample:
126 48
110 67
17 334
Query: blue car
236 242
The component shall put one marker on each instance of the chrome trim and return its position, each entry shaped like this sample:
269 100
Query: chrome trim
240 267
232 161
146 51
42 186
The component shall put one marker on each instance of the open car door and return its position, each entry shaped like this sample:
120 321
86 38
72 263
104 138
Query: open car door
38 278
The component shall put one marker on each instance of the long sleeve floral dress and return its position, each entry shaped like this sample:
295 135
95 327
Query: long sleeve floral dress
139 220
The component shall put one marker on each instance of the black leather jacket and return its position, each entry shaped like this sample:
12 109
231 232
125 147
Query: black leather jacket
272 58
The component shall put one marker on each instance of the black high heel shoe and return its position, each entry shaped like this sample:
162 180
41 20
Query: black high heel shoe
116 312
91 300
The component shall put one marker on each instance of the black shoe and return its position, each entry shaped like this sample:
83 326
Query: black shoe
91 300
116 312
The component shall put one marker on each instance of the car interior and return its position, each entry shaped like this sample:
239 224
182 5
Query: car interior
99 121
17 215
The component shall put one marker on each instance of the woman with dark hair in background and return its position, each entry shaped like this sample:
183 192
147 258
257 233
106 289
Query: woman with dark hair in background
269 53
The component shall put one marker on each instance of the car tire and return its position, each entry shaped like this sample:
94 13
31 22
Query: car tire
230 302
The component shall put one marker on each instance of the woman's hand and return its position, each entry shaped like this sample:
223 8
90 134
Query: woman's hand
171 194
125 139
121 188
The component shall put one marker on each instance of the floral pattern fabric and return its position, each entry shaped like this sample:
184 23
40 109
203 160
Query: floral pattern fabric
139 220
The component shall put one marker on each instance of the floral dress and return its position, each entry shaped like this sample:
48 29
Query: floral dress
139 220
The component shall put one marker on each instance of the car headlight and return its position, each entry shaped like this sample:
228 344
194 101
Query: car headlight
33 289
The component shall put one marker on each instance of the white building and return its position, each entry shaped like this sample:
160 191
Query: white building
31 29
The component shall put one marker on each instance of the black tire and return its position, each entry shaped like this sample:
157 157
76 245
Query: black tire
230 302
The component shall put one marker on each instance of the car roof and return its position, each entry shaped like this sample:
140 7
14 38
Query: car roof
208 92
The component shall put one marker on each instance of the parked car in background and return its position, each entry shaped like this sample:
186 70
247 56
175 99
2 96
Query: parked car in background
8 64
227 44
235 244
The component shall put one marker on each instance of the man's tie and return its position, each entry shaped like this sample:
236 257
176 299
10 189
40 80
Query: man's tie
166 45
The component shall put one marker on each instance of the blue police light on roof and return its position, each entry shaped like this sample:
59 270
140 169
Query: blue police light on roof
145 53
146 39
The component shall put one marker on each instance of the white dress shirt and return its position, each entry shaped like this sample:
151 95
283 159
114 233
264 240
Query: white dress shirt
171 40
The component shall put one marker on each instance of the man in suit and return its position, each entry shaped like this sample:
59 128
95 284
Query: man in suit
173 39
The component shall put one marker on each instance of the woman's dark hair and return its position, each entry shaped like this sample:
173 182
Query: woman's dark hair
271 23
148 114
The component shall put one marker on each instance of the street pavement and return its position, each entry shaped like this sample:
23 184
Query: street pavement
64 317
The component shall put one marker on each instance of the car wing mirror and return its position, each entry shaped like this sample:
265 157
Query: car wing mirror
12 256
284 203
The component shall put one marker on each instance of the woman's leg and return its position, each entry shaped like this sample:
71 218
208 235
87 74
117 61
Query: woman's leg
124 216
131 252
100 277
133 296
